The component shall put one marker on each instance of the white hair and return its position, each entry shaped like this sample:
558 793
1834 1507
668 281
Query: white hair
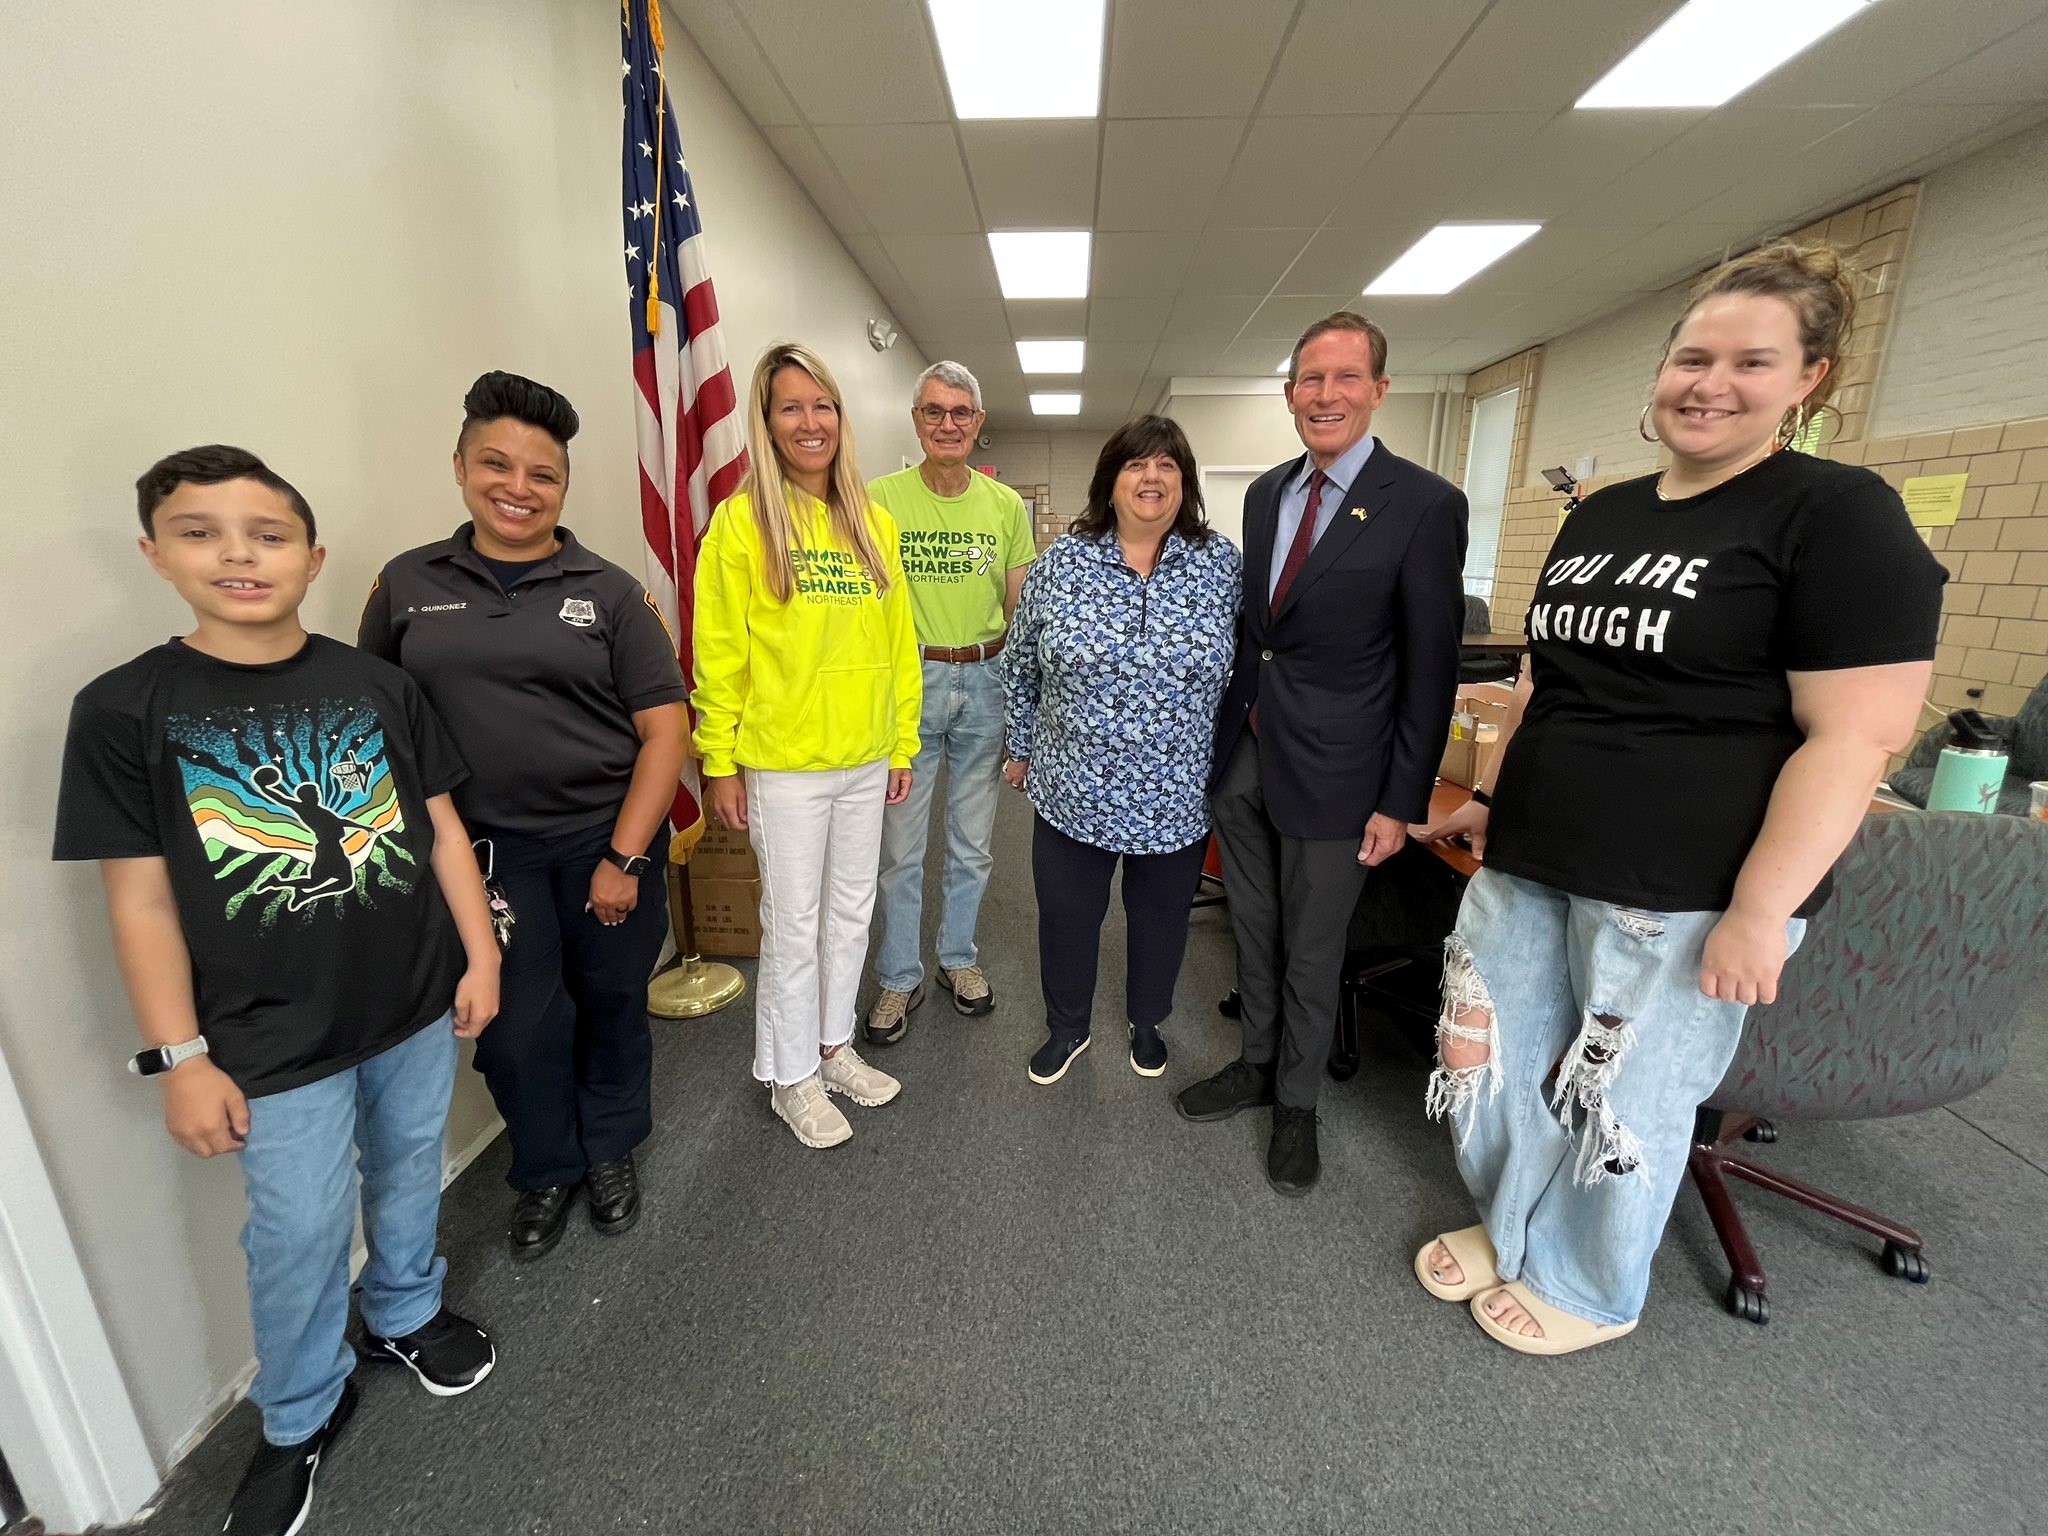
953 376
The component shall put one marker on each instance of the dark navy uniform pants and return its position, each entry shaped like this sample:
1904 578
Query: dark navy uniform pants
569 1058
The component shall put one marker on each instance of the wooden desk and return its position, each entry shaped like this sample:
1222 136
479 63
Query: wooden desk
1507 644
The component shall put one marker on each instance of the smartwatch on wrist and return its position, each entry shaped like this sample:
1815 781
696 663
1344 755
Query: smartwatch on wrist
1481 797
161 1058
633 864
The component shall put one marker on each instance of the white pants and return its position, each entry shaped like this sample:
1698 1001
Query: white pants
818 838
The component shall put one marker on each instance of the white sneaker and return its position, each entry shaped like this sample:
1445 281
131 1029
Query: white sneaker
807 1111
844 1072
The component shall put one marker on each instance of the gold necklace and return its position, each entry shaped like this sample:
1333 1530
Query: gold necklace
1664 495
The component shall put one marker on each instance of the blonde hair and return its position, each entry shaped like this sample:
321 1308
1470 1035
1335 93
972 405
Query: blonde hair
767 488
1818 286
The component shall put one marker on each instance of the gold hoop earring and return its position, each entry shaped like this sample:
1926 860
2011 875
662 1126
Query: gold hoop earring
1793 425
1643 428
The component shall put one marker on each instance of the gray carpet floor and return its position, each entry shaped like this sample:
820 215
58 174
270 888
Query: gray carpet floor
1006 1308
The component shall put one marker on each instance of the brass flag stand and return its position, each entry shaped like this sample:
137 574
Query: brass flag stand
693 986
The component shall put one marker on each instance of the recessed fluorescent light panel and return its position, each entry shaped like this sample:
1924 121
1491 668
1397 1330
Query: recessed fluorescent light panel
1050 356
1448 255
1712 50
1056 405
1012 59
1041 264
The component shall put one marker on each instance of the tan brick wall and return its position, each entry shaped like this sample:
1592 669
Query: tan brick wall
1994 626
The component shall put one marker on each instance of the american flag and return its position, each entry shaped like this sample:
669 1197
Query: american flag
693 446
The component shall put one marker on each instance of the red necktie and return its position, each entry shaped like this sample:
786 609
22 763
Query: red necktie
1304 541
1297 555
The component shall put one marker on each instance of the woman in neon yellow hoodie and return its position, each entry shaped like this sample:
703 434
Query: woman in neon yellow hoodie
808 694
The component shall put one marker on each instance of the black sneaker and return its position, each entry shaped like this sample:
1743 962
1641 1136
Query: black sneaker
1238 1086
1292 1161
1050 1062
538 1216
1148 1051
613 1191
276 1493
449 1354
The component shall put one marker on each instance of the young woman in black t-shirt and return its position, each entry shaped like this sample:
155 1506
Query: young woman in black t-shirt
1722 658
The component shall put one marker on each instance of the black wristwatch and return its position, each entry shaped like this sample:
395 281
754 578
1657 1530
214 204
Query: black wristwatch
1481 797
635 864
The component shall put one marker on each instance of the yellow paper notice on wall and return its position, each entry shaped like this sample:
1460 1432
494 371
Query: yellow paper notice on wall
1933 501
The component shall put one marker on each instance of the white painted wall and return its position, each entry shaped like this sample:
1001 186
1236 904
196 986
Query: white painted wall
1969 343
1592 386
302 227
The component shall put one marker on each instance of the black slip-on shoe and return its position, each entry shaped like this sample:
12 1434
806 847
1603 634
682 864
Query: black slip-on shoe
613 1192
1148 1052
1050 1061
276 1493
1292 1160
538 1217
1238 1086
449 1354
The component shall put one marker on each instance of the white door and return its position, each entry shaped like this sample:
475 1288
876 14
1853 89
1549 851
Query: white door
1223 488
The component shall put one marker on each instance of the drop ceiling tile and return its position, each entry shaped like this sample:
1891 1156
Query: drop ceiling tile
906 177
1735 146
1243 260
1256 356
1538 55
1133 265
1048 317
1347 57
1215 319
1138 319
1547 175
985 324
1665 255
1290 170
1035 175
1163 175
1545 315
729 47
1554 255
798 149
944 269
1427 163
1289 316
2015 69
867 63
1887 49
1344 260
1162 63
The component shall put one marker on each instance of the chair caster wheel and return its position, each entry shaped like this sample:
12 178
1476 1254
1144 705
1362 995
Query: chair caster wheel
1746 1304
1905 1264
1763 1133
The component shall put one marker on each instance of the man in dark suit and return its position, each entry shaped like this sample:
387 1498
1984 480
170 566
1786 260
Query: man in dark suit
1330 732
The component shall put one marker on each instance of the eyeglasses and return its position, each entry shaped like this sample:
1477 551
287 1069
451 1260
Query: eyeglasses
962 415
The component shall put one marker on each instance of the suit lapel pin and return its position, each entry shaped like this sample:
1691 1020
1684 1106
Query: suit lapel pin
1359 513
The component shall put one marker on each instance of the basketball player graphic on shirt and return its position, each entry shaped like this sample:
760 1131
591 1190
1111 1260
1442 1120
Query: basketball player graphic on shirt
330 872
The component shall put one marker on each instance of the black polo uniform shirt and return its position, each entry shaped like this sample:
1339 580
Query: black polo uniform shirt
538 684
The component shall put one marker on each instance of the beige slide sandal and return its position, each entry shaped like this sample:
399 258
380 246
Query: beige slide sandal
1473 1250
1564 1333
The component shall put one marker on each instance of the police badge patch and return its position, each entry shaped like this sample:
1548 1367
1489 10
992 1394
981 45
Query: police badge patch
579 611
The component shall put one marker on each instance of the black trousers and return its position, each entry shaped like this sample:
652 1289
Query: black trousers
1290 906
569 1059
1072 882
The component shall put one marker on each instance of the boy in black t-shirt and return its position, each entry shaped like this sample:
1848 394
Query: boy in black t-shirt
295 909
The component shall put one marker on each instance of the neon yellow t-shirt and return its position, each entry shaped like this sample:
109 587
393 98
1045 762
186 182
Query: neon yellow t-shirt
958 552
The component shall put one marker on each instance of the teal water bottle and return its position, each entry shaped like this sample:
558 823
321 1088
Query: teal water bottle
1972 768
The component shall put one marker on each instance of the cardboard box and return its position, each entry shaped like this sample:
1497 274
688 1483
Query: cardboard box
727 914
1474 736
723 854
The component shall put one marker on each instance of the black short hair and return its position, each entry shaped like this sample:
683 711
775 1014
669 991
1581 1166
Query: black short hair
212 465
496 395
1141 439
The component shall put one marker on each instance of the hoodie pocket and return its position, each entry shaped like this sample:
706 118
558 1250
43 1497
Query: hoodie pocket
850 717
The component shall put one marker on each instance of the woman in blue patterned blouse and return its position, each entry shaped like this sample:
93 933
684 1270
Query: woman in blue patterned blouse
1117 658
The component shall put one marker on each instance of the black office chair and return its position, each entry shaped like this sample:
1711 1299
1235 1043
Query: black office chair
1483 666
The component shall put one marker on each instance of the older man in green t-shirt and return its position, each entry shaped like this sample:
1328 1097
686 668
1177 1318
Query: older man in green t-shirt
966 545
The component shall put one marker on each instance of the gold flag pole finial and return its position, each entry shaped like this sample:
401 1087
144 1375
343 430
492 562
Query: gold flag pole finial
660 169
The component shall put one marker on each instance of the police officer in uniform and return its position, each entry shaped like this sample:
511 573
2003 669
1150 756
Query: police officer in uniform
560 683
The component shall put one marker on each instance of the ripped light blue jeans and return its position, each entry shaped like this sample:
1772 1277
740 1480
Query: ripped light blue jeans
1574 1174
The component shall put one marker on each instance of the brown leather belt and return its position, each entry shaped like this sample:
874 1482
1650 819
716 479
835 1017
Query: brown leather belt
956 653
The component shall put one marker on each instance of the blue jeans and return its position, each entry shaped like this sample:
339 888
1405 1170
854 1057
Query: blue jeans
1576 1182
389 1112
962 730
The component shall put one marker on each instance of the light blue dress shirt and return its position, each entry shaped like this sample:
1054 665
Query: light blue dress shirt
1294 498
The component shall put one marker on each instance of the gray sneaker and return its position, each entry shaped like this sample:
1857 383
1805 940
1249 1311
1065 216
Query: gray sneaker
890 1016
808 1111
845 1073
970 989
